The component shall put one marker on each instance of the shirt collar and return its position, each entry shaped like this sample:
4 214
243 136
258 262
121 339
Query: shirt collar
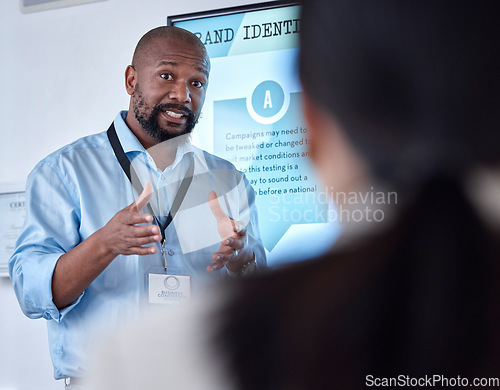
185 148
128 140
131 144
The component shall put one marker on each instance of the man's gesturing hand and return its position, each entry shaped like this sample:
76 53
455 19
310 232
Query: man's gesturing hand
76 269
123 237
233 251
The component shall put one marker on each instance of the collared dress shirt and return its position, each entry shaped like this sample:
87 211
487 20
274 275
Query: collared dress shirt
75 191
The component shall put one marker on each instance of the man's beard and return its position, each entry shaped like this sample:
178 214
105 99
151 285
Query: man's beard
150 122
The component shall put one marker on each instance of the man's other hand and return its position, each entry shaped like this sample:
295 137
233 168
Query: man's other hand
233 251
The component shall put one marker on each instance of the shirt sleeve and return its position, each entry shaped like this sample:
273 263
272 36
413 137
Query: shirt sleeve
51 229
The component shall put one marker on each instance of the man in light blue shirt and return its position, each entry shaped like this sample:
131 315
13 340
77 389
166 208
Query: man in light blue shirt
87 256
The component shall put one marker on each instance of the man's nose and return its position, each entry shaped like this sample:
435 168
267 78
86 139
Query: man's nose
180 92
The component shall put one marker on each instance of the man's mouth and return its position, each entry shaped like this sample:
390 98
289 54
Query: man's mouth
174 114
178 117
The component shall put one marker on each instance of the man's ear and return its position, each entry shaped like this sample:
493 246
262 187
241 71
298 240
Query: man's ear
130 79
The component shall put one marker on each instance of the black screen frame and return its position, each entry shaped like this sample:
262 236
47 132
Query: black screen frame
171 20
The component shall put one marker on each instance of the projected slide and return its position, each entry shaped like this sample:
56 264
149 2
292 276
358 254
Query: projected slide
252 117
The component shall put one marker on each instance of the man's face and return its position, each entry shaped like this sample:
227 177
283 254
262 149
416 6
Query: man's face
170 87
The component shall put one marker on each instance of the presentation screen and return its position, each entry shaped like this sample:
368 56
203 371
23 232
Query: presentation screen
252 117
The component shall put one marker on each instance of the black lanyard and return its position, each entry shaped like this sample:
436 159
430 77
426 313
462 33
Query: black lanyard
134 179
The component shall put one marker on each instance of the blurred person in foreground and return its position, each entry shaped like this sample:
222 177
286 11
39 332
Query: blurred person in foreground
401 96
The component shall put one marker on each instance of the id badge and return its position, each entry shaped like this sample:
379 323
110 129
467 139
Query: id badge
169 289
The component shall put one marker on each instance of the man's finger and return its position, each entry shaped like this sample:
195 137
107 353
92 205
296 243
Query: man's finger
143 231
142 251
216 265
214 204
234 243
144 197
240 230
135 218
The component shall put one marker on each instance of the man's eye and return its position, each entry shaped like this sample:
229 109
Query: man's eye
198 84
166 76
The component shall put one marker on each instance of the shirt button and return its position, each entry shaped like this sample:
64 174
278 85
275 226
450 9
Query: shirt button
170 252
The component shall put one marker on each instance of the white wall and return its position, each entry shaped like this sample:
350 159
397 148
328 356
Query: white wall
62 78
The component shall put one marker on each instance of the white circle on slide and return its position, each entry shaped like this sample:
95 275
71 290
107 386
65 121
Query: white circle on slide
268 102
